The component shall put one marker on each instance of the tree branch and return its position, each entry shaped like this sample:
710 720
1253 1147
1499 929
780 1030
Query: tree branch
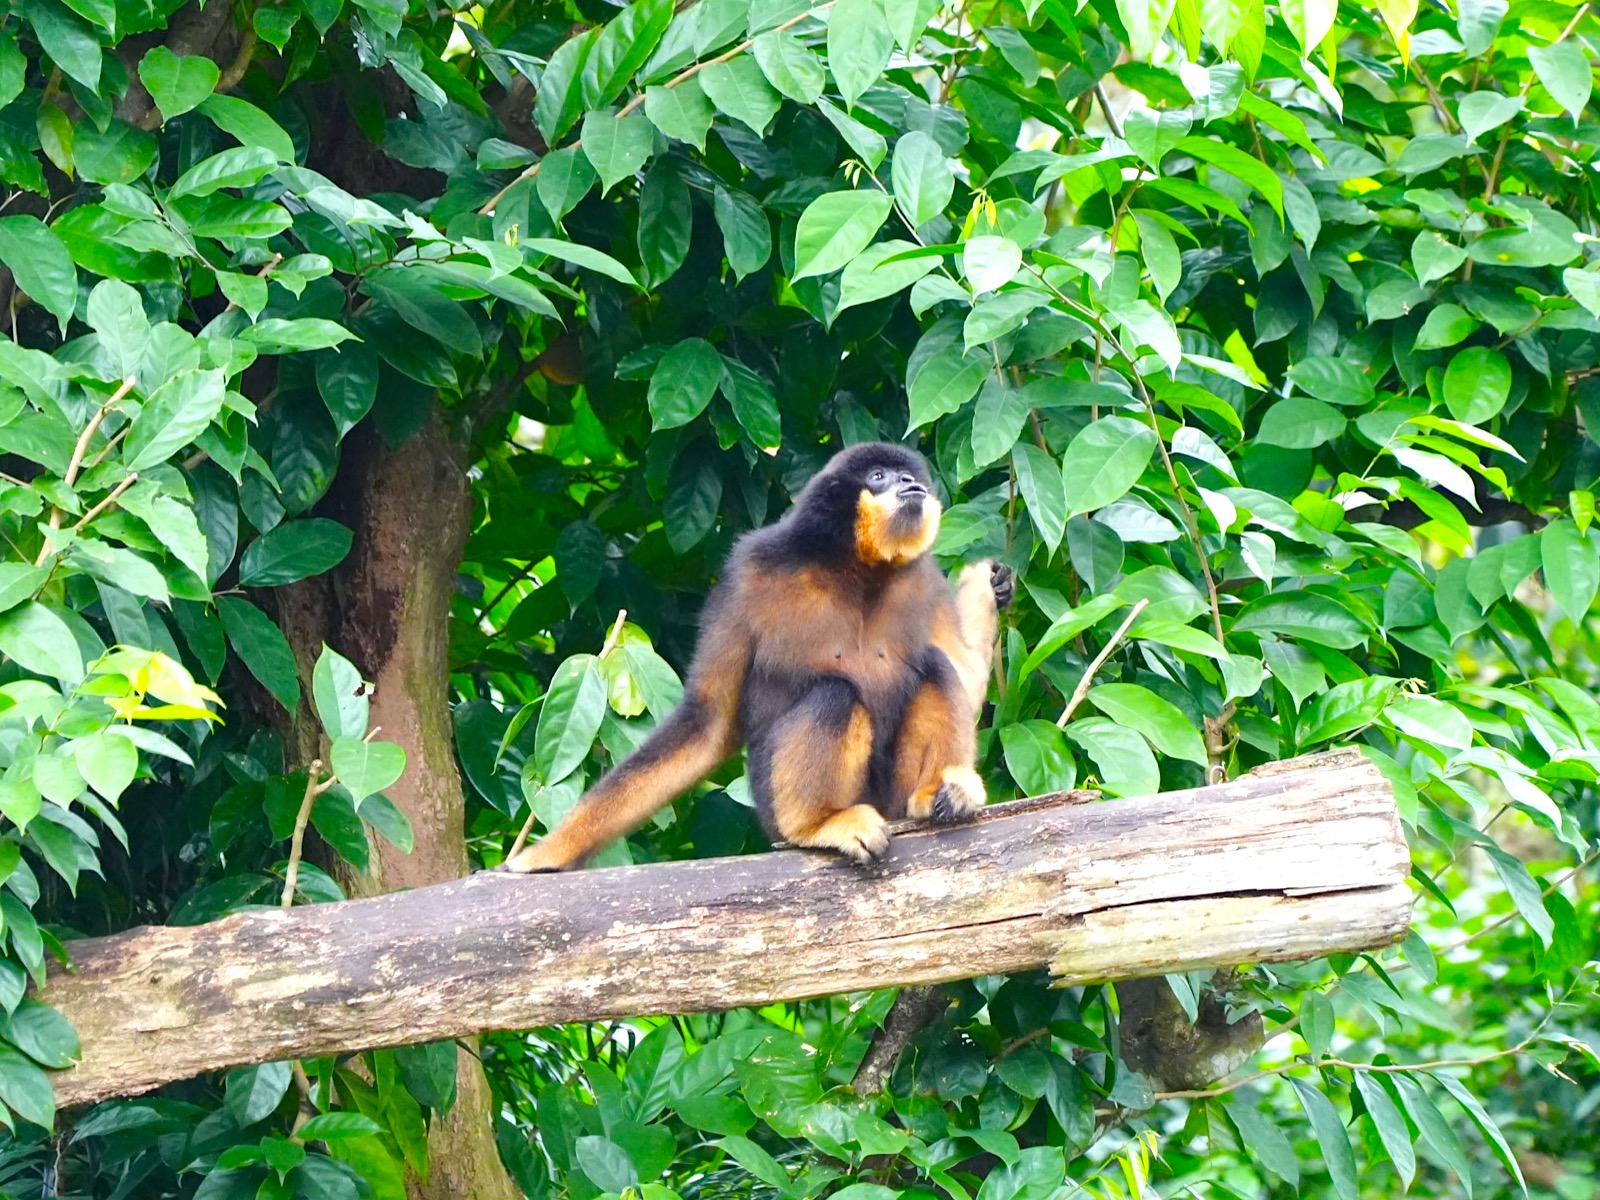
1300 862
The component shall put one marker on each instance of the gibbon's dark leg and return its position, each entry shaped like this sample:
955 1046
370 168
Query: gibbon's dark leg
937 748
809 771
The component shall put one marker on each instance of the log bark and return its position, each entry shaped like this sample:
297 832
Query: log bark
1298 861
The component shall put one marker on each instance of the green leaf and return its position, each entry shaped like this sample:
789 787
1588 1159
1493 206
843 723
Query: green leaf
252 1094
1244 167
739 89
1331 1136
347 381
867 278
990 262
1304 616
38 640
605 1164
1120 756
908 19
40 265
681 112
573 708
790 67
1489 1129
746 234
1150 326
108 764
177 83
1160 721
1571 567
836 227
1480 112
1477 384
1043 491
1437 1139
683 383
43 1034
1316 1023
19 582
1151 134
117 155
292 551
1583 286
869 145
559 101
13 70
1390 1125
67 39
625 42
565 178
1433 257
1565 72
1262 1137
382 815
1104 460
1449 324
248 124
366 767
617 147
339 695
923 183
242 166
997 420
1161 257
1040 762
754 405
1300 423
859 45
1145 21
25 1089
582 256
330 1126
262 648
281 335
943 383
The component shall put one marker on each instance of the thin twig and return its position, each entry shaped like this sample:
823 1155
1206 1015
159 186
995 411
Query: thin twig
1370 1068
1105 107
291 874
1082 690
75 464
110 499
688 73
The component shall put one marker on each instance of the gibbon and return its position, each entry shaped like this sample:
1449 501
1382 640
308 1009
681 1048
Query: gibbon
835 649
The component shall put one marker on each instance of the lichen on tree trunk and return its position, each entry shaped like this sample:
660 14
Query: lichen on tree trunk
387 609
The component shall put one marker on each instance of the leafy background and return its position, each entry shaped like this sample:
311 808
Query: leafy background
1272 326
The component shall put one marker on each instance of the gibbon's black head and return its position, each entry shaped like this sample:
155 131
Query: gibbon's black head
875 500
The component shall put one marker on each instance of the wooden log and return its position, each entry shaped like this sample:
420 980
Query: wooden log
1296 861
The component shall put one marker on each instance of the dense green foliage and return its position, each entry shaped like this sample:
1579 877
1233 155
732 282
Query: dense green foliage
1275 322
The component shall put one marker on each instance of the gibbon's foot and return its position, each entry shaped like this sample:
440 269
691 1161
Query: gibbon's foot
1004 582
960 795
859 833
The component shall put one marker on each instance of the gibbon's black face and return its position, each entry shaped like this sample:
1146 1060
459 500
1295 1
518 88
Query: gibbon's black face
873 501
897 517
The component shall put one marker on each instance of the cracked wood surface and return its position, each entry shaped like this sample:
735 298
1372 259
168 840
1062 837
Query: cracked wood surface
1297 861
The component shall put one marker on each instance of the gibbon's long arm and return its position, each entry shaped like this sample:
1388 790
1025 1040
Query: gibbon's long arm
702 732
968 642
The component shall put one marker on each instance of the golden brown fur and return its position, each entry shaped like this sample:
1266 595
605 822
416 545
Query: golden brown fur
836 650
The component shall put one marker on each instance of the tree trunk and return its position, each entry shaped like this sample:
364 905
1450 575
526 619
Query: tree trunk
1294 863
387 609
